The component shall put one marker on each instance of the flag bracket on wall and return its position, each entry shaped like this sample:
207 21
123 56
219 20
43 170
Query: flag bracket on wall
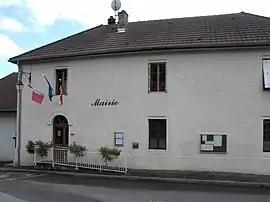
28 75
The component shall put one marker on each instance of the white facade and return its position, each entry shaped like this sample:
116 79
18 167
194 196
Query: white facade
208 92
7 132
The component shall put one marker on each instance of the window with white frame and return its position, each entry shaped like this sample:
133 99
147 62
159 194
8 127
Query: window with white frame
157 77
157 133
61 80
266 74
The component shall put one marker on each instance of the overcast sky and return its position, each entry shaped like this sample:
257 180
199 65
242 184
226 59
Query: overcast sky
27 24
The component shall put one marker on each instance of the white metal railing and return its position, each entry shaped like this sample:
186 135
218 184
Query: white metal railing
92 160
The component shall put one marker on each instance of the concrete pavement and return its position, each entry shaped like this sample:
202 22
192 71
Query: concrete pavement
30 187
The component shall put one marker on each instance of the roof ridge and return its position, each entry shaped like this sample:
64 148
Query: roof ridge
255 15
187 17
62 39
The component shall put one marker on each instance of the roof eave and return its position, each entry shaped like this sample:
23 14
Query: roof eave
15 60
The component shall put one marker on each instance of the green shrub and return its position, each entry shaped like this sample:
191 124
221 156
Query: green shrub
77 150
109 154
42 147
30 147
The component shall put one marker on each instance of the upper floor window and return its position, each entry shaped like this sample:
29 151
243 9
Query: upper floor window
61 81
266 74
157 77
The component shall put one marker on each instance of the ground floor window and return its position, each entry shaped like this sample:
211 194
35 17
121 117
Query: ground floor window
157 133
266 135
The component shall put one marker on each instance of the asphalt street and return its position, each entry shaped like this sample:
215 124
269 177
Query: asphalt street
27 187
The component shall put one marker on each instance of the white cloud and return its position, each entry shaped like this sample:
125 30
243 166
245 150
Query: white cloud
10 24
8 48
11 2
90 13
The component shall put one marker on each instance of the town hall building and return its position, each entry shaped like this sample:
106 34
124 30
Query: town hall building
185 93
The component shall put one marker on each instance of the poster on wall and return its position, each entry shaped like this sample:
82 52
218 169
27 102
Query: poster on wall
213 143
119 139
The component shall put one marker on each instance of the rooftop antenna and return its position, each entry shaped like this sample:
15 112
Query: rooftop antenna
116 5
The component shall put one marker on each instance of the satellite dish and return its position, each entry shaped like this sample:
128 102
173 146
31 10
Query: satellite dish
116 5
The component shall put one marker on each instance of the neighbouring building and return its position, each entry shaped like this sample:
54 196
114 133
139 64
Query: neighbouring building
186 93
8 109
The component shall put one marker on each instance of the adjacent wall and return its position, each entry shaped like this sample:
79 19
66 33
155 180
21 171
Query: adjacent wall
208 92
7 132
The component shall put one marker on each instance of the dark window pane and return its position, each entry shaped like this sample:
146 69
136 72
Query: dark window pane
266 135
162 129
153 128
162 144
58 74
153 77
61 79
162 85
266 146
153 68
64 83
266 130
65 75
157 134
162 67
153 143
162 77
153 86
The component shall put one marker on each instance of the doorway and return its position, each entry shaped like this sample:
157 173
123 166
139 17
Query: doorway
60 131
60 138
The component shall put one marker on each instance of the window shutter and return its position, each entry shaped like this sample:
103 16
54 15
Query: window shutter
266 73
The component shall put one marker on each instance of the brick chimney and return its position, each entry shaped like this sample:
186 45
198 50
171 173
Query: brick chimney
122 21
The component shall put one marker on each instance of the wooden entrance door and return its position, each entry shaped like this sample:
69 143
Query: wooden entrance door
60 138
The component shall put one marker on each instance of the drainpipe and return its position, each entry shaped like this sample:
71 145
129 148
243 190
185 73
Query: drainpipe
19 86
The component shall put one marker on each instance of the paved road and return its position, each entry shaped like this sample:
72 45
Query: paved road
26 187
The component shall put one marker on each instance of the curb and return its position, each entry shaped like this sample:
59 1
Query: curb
146 179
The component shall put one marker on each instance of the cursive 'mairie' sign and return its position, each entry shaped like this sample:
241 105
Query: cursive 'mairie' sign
105 103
